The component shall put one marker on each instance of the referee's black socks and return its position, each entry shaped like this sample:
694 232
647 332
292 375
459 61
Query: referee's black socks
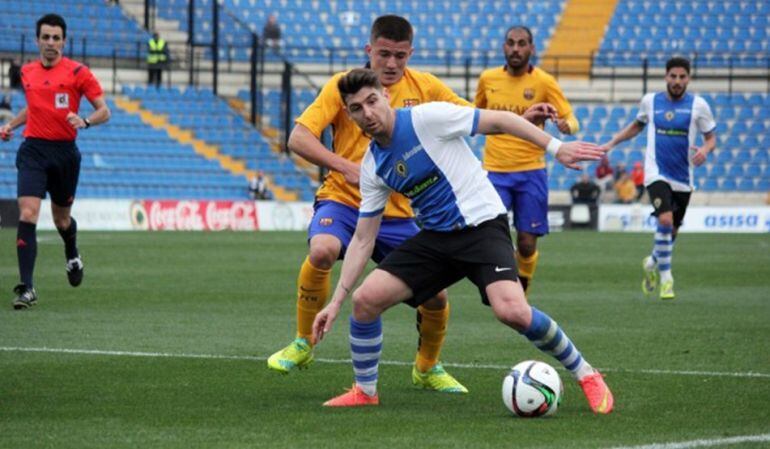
70 237
26 250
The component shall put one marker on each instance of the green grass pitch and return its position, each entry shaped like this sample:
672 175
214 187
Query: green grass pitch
164 345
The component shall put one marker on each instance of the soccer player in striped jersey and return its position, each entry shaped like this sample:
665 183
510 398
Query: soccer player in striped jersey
421 153
675 118
515 166
338 199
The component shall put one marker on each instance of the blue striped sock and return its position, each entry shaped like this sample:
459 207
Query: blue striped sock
663 250
365 350
548 337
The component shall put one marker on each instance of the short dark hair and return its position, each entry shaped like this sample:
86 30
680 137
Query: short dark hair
355 80
678 61
395 28
53 20
519 27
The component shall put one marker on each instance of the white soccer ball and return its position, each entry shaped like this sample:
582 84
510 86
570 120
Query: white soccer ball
532 389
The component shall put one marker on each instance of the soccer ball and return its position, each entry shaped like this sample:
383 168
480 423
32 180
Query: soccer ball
532 389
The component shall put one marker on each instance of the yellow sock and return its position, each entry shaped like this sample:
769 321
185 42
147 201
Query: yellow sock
313 286
527 266
431 324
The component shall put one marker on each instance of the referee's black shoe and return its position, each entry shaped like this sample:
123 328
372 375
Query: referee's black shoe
75 271
26 297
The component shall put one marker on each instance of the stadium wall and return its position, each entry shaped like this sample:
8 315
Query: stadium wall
194 215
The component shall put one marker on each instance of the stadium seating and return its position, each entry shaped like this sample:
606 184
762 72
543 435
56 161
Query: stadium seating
443 28
93 27
714 34
214 122
129 159
740 163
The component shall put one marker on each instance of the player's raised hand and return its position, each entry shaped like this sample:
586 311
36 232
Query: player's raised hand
570 153
75 121
323 321
538 113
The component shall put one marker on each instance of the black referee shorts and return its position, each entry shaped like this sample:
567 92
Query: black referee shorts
48 166
664 199
432 261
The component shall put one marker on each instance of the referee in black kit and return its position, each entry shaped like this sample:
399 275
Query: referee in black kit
48 160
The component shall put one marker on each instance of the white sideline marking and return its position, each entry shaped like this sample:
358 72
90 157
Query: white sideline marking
703 443
184 355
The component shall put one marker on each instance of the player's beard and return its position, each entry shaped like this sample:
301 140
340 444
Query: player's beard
517 64
674 96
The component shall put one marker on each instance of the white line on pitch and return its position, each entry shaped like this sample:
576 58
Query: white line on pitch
347 361
703 443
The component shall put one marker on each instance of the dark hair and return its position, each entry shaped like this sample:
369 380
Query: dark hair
355 80
678 61
395 28
53 20
519 27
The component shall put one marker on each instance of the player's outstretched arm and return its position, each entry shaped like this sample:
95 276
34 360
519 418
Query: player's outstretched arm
358 253
629 132
303 142
569 154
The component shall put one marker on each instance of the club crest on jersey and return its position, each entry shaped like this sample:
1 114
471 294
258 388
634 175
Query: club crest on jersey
326 221
657 202
529 94
62 101
401 169
669 115
409 102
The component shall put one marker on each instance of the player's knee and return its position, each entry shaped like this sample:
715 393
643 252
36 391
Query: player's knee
512 311
29 214
526 246
365 305
666 220
61 223
323 256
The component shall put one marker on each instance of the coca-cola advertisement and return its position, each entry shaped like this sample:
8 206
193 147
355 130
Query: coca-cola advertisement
172 215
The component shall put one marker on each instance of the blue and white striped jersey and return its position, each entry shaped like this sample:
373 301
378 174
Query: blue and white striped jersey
674 126
429 162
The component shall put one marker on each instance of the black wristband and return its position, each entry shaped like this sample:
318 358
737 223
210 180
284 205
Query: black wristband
87 122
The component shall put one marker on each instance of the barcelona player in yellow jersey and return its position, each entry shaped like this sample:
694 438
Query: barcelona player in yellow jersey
515 166
338 200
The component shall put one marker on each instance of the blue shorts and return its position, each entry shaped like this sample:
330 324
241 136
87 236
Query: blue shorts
339 220
526 194
48 166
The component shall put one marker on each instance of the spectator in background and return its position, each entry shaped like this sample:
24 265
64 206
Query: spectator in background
584 191
5 108
14 74
637 176
625 190
258 187
271 33
604 173
157 59
619 169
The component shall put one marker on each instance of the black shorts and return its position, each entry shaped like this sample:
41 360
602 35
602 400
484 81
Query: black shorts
432 261
48 166
664 199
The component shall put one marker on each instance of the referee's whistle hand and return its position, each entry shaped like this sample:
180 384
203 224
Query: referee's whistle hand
6 133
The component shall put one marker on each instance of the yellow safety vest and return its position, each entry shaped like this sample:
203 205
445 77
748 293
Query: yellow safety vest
157 52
